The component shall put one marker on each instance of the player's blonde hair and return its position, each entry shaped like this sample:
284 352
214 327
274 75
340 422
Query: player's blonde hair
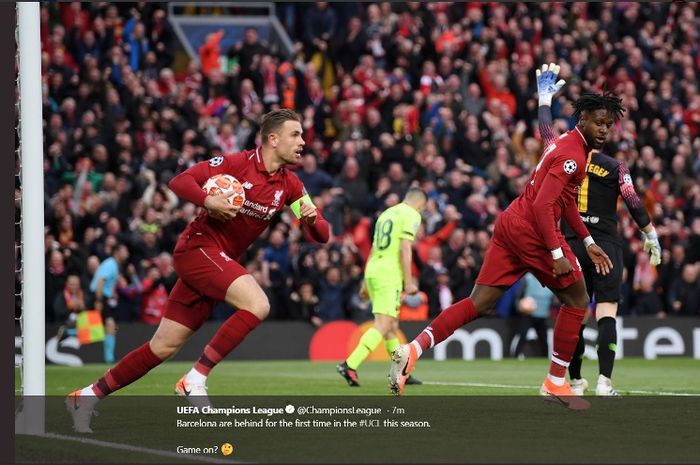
273 120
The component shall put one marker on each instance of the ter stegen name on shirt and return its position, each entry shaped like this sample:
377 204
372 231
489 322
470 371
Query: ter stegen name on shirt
232 410
597 170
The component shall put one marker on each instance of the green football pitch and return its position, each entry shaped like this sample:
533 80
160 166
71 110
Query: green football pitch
449 378
480 411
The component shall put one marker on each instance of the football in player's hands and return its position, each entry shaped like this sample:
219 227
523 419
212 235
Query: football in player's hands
226 184
224 192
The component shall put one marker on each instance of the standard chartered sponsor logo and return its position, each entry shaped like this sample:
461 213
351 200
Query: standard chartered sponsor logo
255 206
256 210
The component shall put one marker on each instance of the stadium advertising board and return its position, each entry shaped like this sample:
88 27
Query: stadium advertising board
491 338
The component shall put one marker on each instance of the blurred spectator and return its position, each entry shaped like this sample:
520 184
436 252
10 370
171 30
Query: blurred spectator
320 24
534 304
55 280
391 95
245 53
331 304
135 41
445 297
210 53
670 270
314 178
684 295
429 279
275 273
154 295
70 300
304 304
359 308
355 188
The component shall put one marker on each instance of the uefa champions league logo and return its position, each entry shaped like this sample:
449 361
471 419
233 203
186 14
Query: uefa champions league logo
569 166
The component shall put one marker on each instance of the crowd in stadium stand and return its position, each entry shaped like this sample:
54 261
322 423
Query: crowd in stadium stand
440 95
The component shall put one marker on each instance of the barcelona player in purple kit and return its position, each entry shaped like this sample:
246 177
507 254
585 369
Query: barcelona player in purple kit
205 259
527 238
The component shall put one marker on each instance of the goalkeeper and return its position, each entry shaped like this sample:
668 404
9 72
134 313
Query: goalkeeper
606 180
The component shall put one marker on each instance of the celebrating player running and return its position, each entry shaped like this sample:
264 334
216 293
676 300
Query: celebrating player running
527 238
205 259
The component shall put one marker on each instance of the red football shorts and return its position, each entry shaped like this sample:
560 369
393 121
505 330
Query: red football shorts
205 273
516 248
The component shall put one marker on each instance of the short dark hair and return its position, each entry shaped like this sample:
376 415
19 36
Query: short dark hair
414 192
589 102
275 119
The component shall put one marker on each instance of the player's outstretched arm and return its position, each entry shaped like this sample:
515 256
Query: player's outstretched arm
640 214
547 87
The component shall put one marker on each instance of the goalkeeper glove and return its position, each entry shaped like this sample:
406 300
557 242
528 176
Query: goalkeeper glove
652 246
547 84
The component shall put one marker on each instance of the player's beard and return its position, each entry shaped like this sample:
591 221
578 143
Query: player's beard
593 143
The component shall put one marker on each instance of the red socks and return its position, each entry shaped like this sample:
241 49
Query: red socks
566 331
140 361
231 333
133 366
450 319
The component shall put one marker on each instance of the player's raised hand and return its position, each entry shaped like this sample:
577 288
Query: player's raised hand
219 207
307 213
547 84
652 247
600 259
562 266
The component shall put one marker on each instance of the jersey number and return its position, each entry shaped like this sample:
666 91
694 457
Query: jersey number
382 234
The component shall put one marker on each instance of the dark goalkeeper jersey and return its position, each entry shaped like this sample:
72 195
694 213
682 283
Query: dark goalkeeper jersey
606 180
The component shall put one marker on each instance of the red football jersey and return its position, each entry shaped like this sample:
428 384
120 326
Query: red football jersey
266 195
553 187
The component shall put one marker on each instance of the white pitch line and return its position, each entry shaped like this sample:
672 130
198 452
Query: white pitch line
144 450
509 386
663 393
520 386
